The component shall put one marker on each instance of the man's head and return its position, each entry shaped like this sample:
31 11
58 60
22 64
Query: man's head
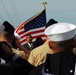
8 27
8 32
29 38
61 35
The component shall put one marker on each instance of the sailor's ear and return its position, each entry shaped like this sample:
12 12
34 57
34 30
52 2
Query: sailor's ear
50 45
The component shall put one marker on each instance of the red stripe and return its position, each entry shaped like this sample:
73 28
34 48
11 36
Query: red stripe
34 37
37 31
43 35
32 32
20 27
22 32
23 41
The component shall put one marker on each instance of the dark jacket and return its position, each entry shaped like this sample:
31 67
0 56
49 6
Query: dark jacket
61 63
26 46
25 64
12 68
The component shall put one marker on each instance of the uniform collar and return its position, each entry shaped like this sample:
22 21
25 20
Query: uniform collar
58 63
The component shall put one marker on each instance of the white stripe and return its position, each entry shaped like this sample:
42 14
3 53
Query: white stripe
21 30
33 40
75 69
40 33
3 61
22 38
15 57
33 30
43 73
33 35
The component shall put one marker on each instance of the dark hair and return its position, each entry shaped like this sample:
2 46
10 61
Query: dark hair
8 27
38 42
28 35
50 22
2 53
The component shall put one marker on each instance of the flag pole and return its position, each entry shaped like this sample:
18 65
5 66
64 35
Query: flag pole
44 3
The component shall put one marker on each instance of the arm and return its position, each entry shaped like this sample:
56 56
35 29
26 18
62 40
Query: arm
9 54
23 62
21 53
20 46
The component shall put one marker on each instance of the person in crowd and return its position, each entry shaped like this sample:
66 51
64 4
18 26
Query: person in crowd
38 55
17 64
8 36
62 61
29 44
10 62
39 41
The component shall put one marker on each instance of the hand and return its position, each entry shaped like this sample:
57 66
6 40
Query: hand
17 41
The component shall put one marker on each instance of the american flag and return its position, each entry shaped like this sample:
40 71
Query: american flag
34 26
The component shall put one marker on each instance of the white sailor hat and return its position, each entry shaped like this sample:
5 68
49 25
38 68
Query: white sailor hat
60 31
1 28
17 35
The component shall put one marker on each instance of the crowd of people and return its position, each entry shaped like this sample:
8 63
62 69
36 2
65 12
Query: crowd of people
55 56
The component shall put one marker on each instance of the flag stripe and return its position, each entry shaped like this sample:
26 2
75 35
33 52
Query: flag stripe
34 32
34 26
22 42
35 36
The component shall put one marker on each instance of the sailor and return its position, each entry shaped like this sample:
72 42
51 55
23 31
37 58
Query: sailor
62 42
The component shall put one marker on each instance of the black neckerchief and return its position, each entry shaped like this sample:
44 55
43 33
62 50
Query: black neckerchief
59 63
